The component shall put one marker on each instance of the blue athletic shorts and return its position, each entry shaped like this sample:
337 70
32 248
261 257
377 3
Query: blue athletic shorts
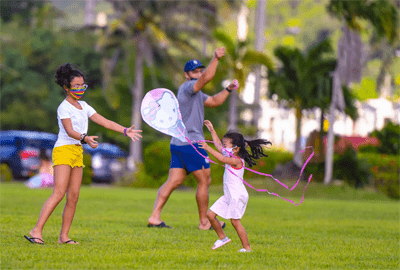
187 158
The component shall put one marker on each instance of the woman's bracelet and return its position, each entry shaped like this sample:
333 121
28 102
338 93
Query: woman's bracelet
83 135
125 129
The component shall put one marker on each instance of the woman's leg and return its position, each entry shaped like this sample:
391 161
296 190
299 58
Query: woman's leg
70 205
241 232
61 179
212 217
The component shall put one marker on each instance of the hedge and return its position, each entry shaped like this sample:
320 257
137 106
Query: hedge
154 171
386 173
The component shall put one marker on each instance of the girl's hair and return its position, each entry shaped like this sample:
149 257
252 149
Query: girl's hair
255 146
65 74
43 155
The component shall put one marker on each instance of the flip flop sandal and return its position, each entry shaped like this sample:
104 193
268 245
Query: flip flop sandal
223 226
69 241
32 240
161 225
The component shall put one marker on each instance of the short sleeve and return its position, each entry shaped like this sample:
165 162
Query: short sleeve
204 96
89 109
63 112
188 89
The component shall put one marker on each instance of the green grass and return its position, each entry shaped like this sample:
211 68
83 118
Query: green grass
110 223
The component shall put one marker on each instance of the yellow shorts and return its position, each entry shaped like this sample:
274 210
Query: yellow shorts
71 155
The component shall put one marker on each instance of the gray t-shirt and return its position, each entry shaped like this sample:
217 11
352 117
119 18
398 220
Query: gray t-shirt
191 105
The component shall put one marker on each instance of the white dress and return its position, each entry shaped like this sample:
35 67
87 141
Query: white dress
233 204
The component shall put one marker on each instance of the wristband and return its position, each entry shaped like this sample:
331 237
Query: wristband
125 129
83 135
230 91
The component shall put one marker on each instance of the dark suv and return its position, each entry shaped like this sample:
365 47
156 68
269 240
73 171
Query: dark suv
20 151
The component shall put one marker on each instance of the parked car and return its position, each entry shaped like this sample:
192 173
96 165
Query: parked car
107 162
20 151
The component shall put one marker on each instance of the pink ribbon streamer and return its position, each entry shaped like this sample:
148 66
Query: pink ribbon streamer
264 174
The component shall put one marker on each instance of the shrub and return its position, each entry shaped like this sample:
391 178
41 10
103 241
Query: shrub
267 164
389 138
87 170
386 173
347 166
368 149
317 170
153 172
157 158
142 180
5 173
354 170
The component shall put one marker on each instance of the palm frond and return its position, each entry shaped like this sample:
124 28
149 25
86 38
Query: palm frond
252 57
319 49
228 42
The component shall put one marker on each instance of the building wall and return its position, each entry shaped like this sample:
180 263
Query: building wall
278 124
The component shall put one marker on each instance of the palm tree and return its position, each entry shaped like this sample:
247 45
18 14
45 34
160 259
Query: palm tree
384 17
155 33
239 59
298 81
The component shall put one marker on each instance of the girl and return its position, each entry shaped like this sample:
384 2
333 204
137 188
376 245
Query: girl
45 177
233 204
72 116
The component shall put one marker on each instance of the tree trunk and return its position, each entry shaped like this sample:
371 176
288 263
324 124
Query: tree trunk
259 46
329 147
347 70
297 156
331 135
232 119
385 68
321 136
90 14
135 153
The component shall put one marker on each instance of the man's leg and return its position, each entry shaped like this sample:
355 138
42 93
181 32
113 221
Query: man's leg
203 181
175 179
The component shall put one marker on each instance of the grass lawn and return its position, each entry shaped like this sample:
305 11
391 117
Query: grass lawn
335 228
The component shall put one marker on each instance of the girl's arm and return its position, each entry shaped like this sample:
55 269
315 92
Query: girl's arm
102 121
214 135
234 162
76 135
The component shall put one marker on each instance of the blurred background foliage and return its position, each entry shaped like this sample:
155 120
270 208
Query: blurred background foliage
38 36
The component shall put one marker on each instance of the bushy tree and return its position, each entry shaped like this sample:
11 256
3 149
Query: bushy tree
389 138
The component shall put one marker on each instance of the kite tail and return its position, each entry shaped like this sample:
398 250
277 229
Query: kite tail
269 175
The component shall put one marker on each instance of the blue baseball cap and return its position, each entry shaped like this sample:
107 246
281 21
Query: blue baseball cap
192 65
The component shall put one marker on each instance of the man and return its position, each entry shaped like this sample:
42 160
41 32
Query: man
184 159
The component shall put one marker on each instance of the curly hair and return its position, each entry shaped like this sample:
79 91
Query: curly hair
65 74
